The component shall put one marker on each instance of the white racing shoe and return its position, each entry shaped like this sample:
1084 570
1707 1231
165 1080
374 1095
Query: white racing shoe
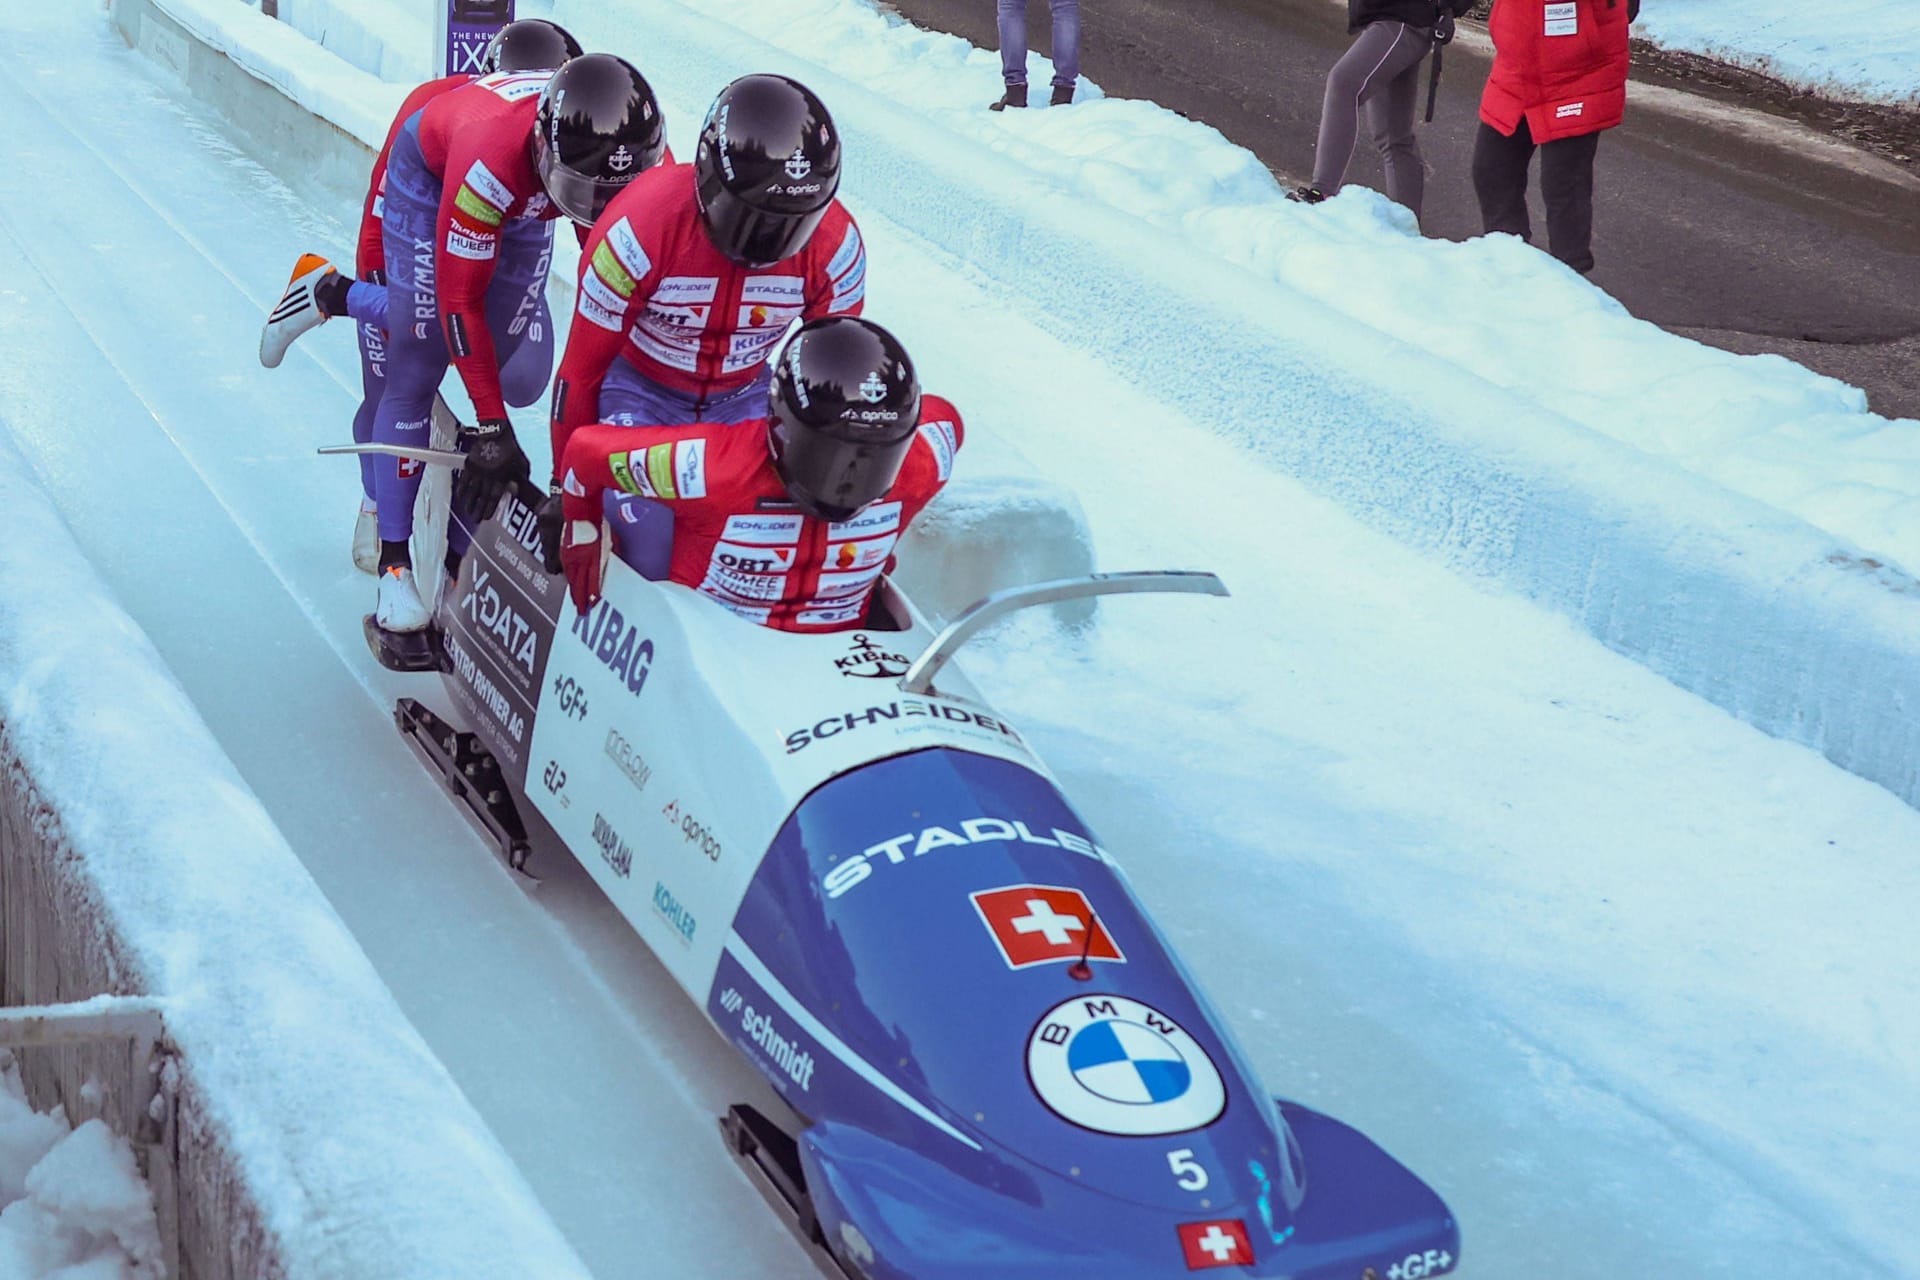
366 539
296 312
400 607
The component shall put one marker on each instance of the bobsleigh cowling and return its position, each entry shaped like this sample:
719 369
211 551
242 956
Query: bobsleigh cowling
995 1064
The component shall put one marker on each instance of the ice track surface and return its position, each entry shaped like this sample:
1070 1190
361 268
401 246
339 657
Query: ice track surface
1632 985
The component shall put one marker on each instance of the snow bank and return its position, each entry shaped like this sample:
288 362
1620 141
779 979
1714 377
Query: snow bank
1855 50
72 1205
1759 425
1475 400
358 1153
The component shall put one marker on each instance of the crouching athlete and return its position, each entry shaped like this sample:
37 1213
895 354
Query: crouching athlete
473 181
788 521
316 292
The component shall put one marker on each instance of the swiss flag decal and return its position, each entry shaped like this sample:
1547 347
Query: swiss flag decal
1041 924
1216 1244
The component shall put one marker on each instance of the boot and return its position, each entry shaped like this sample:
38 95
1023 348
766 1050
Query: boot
400 607
1306 195
1062 95
1015 96
297 311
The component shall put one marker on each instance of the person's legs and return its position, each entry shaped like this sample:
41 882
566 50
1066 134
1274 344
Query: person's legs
1382 51
628 398
1012 20
373 383
1500 165
1066 43
416 348
1390 114
1566 183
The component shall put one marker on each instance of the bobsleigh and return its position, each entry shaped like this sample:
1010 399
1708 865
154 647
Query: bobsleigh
993 1063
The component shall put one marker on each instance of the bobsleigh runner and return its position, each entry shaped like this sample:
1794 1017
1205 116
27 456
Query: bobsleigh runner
995 1065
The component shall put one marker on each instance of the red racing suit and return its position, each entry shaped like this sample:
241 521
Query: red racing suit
478 141
371 256
654 288
737 537
1560 64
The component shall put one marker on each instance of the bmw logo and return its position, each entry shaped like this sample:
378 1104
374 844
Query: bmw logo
1118 1066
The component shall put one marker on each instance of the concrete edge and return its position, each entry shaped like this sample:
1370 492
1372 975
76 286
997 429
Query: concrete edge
303 1127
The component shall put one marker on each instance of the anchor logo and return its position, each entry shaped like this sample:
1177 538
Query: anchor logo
869 661
873 389
621 160
798 166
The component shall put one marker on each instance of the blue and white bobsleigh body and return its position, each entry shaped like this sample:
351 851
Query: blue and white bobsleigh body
998 1066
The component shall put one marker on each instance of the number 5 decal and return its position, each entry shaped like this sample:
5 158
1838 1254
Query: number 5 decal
1186 1170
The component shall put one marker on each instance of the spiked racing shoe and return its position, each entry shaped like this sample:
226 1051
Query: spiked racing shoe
296 312
366 539
399 631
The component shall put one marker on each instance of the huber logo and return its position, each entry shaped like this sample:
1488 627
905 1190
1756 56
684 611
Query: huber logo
870 662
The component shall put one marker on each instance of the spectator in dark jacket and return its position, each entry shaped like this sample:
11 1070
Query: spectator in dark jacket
1380 72
1559 80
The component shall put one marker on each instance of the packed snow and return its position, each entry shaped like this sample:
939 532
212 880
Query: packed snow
72 1203
1859 50
281 1020
1528 915
1759 425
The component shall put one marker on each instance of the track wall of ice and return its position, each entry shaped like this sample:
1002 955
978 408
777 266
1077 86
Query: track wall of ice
311 1133
1779 623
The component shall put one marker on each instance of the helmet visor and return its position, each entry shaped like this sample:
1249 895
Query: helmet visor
754 237
832 478
581 198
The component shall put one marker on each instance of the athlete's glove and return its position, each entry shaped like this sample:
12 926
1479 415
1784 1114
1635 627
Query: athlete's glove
495 464
547 519
583 556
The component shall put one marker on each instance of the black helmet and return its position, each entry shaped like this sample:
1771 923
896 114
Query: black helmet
766 169
531 44
597 129
843 409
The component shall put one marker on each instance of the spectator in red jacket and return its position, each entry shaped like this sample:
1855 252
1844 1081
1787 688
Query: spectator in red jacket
789 520
1559 80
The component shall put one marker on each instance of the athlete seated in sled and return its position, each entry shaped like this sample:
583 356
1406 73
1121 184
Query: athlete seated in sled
786 520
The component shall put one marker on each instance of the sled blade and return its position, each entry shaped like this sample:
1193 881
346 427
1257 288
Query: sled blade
772 1160
472 776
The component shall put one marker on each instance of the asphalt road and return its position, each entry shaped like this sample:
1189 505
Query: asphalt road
1715 216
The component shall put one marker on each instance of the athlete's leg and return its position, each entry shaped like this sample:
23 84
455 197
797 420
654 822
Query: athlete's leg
517 312
416 348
